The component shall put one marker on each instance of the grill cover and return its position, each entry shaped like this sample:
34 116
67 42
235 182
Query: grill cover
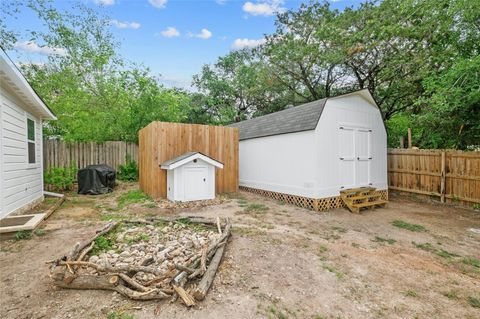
96 179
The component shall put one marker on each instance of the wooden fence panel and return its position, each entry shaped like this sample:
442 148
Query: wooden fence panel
448 174
58 153
161 141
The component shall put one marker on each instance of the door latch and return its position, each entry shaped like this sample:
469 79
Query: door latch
204 179
341 158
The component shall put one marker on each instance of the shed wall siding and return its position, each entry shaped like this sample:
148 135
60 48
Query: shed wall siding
21 181
350 111
281 163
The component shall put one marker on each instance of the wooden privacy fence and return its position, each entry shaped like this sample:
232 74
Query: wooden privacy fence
58 153
449 174
162 141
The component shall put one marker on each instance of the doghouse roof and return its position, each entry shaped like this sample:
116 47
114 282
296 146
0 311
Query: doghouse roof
188 157
296 119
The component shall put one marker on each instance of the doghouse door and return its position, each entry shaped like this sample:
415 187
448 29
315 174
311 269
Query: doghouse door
196 184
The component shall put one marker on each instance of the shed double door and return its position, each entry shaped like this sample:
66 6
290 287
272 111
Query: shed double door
355 156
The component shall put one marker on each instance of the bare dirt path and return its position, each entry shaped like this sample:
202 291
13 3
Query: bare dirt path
282 262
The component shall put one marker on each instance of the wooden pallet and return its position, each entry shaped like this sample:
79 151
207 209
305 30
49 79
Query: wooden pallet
363 197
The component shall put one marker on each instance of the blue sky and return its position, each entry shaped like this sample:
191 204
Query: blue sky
175 38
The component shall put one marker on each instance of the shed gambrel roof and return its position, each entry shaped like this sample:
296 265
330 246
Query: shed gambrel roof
296 119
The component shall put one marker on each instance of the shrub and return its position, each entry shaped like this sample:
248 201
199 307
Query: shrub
102 244
60 178
23 234
129 171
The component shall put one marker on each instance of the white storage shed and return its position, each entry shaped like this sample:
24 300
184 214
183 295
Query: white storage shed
190 177
22 113
307 154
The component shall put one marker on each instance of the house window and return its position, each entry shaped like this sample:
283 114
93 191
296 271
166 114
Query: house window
31 140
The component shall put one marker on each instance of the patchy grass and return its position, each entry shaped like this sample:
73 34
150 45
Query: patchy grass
242 202
471 261
108 217
39 232
234 196
410 293
339 229
330 268
274 313
137 238
411 227
119 315
452 295
135 196
150 205
355 245
426 247
256 208
379 239
249 231
22 235
322 249
445 254
474 301
268 226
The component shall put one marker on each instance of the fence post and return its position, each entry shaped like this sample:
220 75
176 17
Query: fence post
409 137
402 142
442 181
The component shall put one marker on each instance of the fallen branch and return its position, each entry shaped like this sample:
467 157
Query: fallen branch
207 280
186 297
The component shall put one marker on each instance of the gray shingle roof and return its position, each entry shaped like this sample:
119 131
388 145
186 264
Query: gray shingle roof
296 119
178 158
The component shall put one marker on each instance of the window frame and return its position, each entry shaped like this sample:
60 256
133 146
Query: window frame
34 141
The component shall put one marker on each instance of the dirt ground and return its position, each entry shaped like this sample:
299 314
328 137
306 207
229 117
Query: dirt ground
281 262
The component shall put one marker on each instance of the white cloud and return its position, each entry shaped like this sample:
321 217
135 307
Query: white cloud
32 47
125 25
239 44
105 2
221 2
158 3
263 8
204 34
170 32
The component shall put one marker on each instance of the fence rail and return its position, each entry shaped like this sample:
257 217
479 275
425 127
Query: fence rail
448 174
62 154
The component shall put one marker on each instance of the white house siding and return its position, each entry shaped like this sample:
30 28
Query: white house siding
21 182
281 163
355 111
